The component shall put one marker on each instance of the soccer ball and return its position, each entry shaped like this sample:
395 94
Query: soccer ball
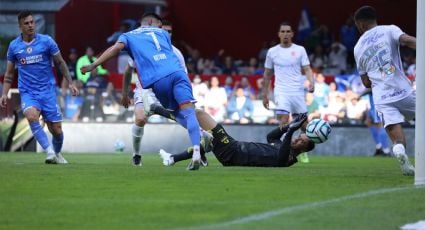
119 146
318 130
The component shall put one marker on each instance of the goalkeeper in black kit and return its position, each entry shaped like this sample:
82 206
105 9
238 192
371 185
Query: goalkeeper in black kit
277 152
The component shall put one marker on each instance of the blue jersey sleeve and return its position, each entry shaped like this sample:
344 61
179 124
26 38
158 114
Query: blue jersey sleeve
123 39
53 47
10 54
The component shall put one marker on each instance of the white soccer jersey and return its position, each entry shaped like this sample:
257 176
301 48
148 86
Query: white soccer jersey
287 64
377 54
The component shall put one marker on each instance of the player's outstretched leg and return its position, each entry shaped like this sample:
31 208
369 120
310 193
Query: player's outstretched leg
403 159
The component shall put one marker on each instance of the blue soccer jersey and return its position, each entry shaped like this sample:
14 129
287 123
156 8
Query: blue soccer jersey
34 62
151 49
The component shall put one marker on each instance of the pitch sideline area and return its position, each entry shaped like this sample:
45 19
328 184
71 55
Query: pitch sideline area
106 192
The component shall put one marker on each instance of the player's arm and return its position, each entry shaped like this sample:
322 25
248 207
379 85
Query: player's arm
126 80
309 74
268 74
7 82
408 41
366 81
108 54
63 68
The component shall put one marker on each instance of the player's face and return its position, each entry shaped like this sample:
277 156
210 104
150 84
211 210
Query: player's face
286 34
301 142
27 25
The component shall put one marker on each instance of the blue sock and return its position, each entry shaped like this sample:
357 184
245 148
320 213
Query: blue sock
383 137
181 119
375 134
192 124
39 134
57 142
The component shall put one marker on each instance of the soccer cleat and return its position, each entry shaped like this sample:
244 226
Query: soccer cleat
148 100
406 167
51 159
167 160
60 159
195 163
303 158
206 141
137 160
381 153
204 160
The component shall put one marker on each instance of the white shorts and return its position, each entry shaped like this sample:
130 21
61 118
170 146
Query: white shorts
138 95
290 103
397 112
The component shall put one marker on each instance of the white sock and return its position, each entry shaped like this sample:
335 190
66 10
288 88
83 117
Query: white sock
196 151
49 151
398 150
386 150
378 146
137 134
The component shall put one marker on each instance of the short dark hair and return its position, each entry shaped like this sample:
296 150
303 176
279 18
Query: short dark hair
151 15
285 23
310 146
365 13
24 14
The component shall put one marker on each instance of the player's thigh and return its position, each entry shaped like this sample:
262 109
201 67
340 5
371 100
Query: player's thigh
389 114
30 106
50 108
407 107
182 89
298 105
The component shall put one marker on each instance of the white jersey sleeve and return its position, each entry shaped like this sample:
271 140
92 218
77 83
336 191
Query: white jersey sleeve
268 64
180 57
304 57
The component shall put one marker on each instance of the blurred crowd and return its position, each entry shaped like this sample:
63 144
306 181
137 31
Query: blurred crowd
231 89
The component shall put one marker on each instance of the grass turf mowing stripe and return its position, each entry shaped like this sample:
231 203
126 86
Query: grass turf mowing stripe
277 212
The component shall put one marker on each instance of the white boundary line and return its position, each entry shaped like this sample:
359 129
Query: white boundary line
277 212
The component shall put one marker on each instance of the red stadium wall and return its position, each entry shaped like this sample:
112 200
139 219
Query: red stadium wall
238 26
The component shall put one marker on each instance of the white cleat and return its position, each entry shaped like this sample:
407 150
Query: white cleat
61 159
406 167
51 159
167 160
148 100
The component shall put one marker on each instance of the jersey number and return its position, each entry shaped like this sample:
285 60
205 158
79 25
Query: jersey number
155 40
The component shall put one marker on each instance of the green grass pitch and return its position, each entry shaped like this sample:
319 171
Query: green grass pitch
104 191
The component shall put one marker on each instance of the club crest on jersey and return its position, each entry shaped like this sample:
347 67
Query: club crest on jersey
29 49
293 54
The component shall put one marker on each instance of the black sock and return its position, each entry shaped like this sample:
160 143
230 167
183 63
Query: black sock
186 155
158 109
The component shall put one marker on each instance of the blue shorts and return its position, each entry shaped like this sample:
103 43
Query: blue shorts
45 102
173 90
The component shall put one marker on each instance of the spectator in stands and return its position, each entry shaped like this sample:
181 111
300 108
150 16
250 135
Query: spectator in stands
335 112
247 88
72 66
262 92
97 75
411 70
313 108
253 67
229 66
337 59
228 86
263 52
321 91
123 55
355 109
318 59
349 36
200 89
240 108
92 107
216 100
209 68
333 92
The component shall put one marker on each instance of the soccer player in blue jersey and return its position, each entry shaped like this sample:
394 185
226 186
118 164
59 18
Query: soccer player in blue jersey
159 68
32 54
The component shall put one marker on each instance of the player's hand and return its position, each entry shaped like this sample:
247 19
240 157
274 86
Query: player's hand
298 122
266 102
86 68
3 101
74 90
125 101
